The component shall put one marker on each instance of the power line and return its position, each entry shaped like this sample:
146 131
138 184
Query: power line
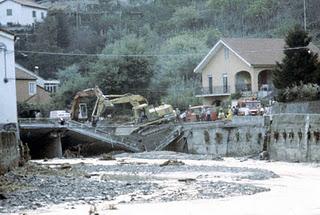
148 55
106 55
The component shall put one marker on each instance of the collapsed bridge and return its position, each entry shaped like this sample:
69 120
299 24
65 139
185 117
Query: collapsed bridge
48 138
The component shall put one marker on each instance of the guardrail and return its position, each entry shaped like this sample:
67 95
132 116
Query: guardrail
37 120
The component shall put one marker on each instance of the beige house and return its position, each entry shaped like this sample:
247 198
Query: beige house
241 65
28 90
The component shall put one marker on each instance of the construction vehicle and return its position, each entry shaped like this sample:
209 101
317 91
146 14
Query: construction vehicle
79 110
142 111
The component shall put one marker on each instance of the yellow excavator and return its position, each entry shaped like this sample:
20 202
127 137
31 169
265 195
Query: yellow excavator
142 111
79 110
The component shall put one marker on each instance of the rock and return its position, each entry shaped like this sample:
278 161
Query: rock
264 155
107 157
87 176
172 162
187 180
2 196
65 166
111 207
93 210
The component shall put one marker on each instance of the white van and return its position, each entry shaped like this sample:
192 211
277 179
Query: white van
57 114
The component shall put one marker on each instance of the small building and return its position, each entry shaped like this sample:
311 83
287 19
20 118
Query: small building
8 99
21 12
240 65
9 135
33 89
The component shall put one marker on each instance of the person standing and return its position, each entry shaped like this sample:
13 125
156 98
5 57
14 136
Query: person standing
208 114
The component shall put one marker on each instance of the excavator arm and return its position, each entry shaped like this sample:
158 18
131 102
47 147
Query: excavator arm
134 100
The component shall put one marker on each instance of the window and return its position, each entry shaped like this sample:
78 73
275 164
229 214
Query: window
225 83
51 87
32 88
210 84
42 15
34 14
226 53
9 12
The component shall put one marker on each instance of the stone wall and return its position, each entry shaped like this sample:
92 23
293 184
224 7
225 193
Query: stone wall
295 137
227 138
9 150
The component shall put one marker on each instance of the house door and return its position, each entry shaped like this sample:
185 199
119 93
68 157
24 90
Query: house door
210 84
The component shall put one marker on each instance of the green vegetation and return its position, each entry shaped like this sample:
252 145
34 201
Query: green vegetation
149 47
300 92
298 75
300 65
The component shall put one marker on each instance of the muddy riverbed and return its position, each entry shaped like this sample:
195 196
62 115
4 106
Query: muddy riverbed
126 179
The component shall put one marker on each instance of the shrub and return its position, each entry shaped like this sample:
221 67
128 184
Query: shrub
301 92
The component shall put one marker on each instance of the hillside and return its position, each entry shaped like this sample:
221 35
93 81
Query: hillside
162 39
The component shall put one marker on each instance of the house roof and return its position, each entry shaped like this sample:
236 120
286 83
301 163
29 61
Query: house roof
255 52
28 3
25 70
6 31
24 74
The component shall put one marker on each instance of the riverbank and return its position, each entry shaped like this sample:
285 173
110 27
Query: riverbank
157 181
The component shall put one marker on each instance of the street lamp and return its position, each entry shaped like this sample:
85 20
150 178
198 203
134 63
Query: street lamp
304 15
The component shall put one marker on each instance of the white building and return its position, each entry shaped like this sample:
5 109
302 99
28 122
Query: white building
21 12
8 100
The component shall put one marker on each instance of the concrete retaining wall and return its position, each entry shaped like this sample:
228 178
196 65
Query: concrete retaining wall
236 138
295 137
9 150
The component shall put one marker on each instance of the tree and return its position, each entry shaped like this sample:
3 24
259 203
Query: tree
126 69
174 76
71 82
186 18
300 64
50 36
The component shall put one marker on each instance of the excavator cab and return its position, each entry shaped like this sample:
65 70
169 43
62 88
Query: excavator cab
79 111
83 111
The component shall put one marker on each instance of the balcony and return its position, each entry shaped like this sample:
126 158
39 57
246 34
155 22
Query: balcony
243 87
213 91
245 90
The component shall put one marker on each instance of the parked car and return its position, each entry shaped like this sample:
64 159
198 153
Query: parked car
249 107
59 114
243 111
199 113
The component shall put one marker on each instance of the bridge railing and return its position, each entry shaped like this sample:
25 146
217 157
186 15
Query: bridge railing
38 121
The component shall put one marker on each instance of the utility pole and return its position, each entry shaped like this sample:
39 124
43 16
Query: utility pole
304 15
